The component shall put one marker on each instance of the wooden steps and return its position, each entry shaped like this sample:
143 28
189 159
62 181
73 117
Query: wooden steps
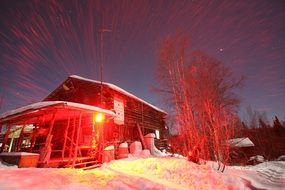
85 164
92 167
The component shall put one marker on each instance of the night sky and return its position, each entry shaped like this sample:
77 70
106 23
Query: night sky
43 42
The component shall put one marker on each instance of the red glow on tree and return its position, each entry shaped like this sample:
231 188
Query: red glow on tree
200 90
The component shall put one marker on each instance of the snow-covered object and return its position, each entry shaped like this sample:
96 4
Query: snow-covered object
123 145
123 150
136 147
281 158
109 154
178 156
111 147
116 88
167 153
257 158
149 143
150 135
241 142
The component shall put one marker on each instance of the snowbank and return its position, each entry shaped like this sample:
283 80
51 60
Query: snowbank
267 175
150 173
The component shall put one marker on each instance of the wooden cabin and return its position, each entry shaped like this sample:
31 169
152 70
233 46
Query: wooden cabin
129 109
64 130
241 149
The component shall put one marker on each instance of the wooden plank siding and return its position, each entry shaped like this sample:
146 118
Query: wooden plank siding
135 111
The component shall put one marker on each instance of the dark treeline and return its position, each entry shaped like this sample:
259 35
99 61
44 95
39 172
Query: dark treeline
269 139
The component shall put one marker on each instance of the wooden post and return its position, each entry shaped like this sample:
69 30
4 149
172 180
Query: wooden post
47 148
65 136
71 141
40 121
77 139
141 136
142 119
19 143
5 137
101 125
1 125
51 124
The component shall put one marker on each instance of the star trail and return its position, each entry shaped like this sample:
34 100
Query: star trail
43 42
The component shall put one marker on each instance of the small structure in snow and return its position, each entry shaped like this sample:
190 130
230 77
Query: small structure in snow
256 160
241 149
241 142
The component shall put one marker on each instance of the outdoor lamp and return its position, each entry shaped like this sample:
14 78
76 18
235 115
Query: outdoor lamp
98 117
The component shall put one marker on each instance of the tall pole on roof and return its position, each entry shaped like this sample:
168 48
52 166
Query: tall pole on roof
102 30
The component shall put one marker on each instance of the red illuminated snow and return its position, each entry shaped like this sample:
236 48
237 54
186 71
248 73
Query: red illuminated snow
147 173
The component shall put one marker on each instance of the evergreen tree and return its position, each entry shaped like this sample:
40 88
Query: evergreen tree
262 124
277 126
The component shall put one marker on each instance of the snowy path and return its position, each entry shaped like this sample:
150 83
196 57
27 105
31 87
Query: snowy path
268 175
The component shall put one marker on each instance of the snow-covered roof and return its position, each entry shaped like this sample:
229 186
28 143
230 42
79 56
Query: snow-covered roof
18 154
241 142
43 104
116 88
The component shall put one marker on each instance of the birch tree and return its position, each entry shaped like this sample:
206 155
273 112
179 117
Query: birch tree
199 90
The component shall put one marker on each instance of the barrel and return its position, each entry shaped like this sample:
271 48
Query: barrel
123 151
108 154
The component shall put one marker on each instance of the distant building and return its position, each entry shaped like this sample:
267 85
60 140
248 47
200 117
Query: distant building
241 142
66 127
241 149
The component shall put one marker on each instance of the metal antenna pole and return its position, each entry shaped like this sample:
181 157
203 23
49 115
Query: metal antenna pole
102 60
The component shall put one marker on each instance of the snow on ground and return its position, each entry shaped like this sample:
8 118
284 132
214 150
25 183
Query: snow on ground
147 173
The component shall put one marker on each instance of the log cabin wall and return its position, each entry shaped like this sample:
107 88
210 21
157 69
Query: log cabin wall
135 111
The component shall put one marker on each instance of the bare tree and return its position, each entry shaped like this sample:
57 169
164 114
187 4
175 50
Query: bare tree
199 89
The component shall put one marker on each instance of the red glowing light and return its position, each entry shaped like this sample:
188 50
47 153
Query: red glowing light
98 117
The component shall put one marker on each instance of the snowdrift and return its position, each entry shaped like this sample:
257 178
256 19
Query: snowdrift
147 173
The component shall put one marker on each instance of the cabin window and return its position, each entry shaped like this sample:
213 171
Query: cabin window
26 142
